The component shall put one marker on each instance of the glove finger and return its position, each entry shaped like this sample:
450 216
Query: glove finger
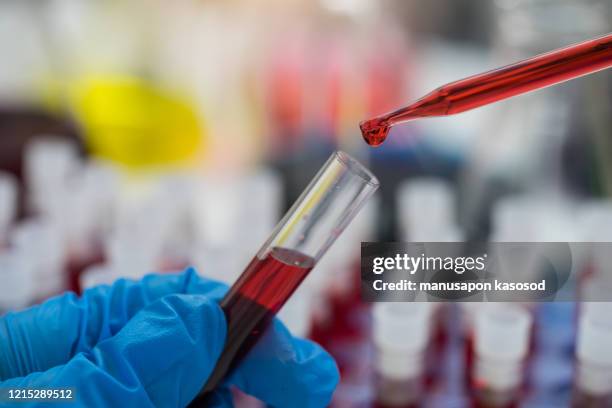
283 371
50 334
108 309
160 358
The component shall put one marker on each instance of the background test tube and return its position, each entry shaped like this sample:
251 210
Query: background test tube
42 254
401 335
594 377
49 163
310 227
427 207
17 277
501 345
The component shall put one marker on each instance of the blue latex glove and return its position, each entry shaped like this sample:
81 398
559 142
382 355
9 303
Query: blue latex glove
153 343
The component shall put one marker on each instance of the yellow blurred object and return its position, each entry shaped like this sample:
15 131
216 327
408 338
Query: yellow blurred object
135 123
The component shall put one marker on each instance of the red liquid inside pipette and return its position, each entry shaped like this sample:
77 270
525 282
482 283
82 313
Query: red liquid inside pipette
251 303
482 89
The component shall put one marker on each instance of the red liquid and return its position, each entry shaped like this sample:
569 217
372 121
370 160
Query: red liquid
250 305
492 86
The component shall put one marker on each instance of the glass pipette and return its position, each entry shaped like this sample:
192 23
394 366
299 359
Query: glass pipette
491 86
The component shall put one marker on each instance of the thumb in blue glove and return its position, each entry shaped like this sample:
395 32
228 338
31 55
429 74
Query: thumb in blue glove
153 343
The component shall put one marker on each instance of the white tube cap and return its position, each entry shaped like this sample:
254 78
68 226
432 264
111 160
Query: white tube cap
501 342
129 257
502 331
426 208
401 333
594 220
262 195
595 334
222 264
49 162
96 188
8 202
532 218
17 277
39 242
594 379
97 275
601 259
596 291
593 349
217 206
241 206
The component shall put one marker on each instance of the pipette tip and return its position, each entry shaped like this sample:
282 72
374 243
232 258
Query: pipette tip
374 131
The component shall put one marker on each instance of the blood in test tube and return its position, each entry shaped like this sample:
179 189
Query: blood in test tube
482 89
254 299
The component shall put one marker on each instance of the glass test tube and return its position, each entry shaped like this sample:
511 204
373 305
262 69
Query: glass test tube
310 227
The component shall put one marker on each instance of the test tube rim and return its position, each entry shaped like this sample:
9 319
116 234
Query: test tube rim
347 165
357 168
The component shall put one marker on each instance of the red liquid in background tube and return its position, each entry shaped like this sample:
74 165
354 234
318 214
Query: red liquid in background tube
252 302
482 89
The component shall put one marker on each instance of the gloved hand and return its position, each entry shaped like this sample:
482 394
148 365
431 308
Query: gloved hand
153 343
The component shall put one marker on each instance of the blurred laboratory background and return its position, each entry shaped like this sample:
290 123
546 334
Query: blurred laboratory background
140 136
